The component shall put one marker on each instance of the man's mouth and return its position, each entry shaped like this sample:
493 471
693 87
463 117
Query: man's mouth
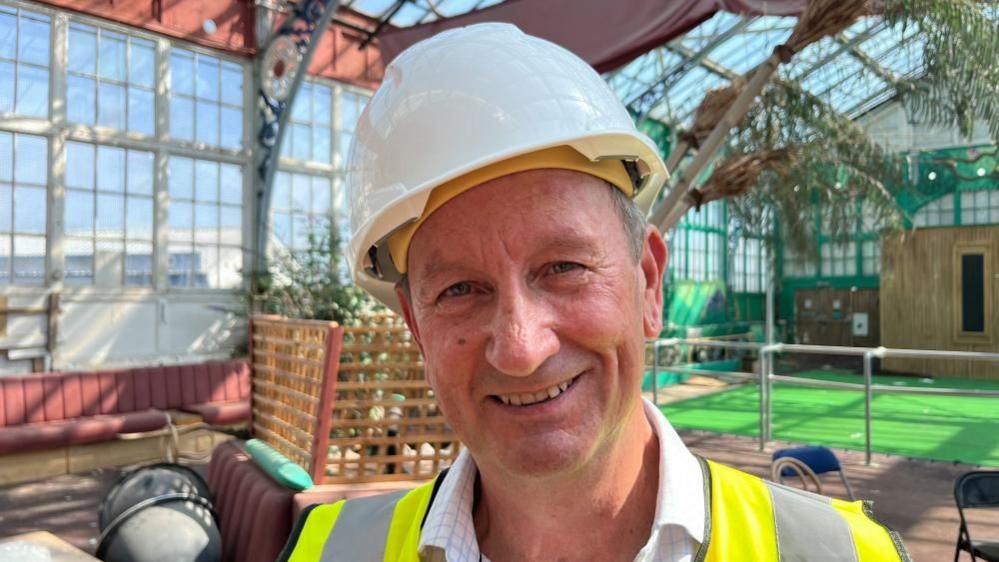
529 399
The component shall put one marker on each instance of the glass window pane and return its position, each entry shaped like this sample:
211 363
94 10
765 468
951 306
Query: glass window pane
180 178
112 56
29 260
182 119
139 218
179 272
34 41
110 169
232 128
281 228
231 223
343 147
231 184
111 106
301 143
301 192
350 110
182 72
206 180
301 110
208 78
230 268
138 263
206 223
81 100
79 213
31 160
6 156
141 63
140 172
82 49
206 267
321 101
140 111
32 91
207 123
80 165
281 194
321 149
29 209
5 261
8 36
6 87
181 221
6 210
232 84
321 196
110 222
79 261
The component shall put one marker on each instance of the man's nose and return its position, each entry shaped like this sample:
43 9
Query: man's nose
523 334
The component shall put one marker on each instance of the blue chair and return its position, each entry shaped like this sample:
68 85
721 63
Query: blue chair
807 463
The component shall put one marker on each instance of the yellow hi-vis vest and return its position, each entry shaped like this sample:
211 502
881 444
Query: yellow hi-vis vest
746 519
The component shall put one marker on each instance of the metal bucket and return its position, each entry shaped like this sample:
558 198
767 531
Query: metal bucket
161 512
148 482
168 528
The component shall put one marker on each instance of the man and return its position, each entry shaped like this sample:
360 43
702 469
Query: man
491 188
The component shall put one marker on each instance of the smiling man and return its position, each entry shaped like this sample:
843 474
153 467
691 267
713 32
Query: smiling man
492 188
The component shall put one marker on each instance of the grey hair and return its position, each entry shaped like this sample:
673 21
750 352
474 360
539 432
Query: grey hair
632 218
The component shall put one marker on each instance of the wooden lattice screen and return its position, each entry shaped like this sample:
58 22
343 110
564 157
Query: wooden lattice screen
385 424
294 372
380 422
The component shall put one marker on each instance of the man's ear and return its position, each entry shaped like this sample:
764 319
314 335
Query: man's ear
407 313
653 264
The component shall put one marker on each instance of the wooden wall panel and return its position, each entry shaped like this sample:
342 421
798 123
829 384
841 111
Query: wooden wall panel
918 304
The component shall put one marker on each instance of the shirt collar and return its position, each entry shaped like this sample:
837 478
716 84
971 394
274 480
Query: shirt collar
680 499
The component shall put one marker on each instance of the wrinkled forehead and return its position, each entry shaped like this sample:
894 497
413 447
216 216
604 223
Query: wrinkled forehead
518 213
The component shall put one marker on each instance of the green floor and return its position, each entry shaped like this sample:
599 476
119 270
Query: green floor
951 428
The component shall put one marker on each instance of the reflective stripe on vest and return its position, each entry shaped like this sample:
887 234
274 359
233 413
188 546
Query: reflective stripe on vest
372 528
753 519
746 519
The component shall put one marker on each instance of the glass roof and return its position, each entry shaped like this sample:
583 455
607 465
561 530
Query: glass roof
413 12
853 71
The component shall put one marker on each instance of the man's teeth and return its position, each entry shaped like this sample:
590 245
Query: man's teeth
534 398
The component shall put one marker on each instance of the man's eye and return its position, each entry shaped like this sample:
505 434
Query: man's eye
565 267
457 290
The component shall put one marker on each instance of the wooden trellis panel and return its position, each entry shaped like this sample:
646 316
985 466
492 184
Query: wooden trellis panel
357 394
385 421
294 372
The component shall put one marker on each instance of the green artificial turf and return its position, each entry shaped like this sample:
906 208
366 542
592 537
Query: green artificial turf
950 428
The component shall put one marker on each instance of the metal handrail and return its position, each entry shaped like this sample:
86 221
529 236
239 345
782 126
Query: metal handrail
766 376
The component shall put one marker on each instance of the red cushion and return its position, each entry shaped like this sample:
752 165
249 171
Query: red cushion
147 420
33 436
221 413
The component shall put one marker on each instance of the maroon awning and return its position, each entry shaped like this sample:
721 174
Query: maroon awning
605 33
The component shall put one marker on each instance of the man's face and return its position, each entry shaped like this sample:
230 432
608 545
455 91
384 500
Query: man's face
532 312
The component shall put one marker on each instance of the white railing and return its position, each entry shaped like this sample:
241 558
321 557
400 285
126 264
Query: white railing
766 377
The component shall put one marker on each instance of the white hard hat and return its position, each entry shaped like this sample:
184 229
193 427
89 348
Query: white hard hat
464 100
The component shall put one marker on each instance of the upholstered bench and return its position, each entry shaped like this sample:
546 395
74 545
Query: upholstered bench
51 410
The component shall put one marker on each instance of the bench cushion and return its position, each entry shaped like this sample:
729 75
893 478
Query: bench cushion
221 413
48 435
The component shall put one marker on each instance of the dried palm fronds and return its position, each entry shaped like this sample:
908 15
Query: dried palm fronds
738 173
820 18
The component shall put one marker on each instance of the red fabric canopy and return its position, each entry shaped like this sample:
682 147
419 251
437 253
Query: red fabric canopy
605 33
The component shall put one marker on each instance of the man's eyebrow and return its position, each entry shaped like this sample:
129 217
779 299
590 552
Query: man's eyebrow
436 264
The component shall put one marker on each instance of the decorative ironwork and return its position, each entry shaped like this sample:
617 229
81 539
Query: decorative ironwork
282 66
